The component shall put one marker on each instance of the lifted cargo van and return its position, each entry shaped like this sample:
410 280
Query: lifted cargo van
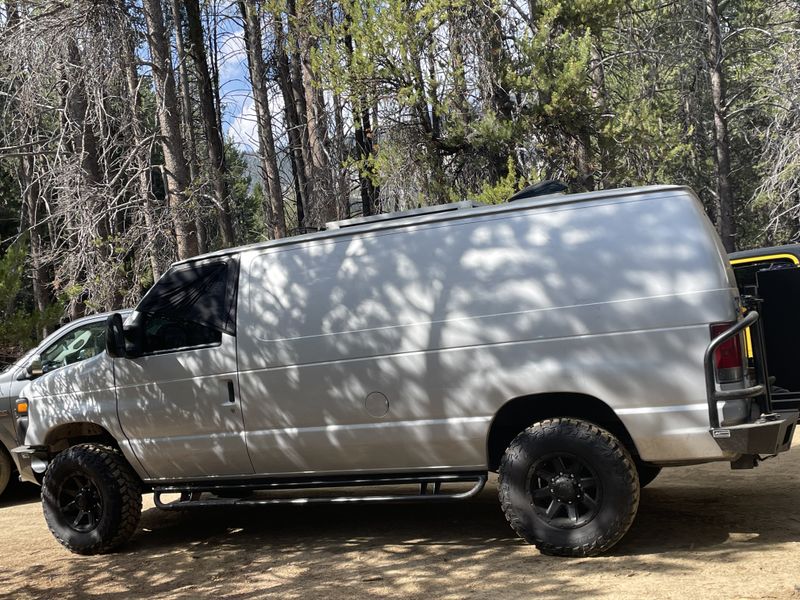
574 344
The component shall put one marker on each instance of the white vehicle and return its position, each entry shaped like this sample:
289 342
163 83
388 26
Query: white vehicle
75 341
575 344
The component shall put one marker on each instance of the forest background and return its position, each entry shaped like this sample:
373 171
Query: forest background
137 132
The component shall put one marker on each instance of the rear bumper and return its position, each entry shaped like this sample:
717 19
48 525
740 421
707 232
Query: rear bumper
771 433
31 462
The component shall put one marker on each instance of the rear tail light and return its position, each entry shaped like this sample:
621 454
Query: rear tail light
728 358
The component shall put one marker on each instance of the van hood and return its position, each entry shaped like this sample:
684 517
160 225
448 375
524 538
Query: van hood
87 376
7 377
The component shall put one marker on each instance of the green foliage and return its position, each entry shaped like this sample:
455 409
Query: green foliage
247 199
12 269
10 202
20 327
503 189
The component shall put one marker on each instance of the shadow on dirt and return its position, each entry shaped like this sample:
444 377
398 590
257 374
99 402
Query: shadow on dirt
685 521
19 492
670 519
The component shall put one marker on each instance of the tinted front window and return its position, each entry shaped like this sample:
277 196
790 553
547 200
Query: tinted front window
197 293
191 305
162 333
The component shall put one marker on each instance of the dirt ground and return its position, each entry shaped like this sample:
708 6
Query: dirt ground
702 531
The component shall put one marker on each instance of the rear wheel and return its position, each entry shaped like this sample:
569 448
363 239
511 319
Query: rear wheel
92 499
569 487
6 468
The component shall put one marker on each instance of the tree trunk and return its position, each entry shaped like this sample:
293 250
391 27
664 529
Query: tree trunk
83 143
725 211
296 80
31 198
214 143
213 61
142 160
168 118
266 139
599 95
186 116
294 127
499 98
363 138
457 64
370 191
320 208
342 188
584 180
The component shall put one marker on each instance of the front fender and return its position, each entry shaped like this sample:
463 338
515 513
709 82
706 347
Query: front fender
79 393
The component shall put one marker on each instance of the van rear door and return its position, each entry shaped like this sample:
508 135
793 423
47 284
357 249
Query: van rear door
775 280
779 291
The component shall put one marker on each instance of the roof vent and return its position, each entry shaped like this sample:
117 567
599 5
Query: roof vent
542 188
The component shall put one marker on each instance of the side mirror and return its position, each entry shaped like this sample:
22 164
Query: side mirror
34 368
115 336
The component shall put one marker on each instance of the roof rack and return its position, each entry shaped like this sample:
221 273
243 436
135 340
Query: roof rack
416 212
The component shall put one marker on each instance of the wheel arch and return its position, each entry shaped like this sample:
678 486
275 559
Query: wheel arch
66 435
521 412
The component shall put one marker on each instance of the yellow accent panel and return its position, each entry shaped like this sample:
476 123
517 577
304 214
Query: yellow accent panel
748 342
764 258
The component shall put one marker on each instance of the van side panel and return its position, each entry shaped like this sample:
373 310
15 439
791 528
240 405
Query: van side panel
449 320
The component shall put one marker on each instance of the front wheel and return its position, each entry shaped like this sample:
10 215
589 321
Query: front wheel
569 487
92 499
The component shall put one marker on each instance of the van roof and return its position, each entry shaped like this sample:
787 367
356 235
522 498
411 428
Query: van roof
434 214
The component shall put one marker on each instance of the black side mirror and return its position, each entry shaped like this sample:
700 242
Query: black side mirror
115 336
34 368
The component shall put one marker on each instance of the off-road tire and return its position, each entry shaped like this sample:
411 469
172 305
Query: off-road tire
600 451
647 473
6 468
115 482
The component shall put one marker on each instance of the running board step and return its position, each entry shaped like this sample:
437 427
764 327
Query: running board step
191 494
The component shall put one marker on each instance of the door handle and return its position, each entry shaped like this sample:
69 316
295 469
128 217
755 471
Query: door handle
230 401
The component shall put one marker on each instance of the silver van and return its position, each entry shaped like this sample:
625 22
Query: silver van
575 344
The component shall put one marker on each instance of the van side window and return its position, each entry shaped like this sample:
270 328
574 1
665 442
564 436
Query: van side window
190 306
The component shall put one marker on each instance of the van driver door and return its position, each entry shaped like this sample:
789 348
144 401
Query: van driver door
178 400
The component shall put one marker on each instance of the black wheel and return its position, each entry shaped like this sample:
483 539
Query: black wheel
6 468
569 487
647 473
92 499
